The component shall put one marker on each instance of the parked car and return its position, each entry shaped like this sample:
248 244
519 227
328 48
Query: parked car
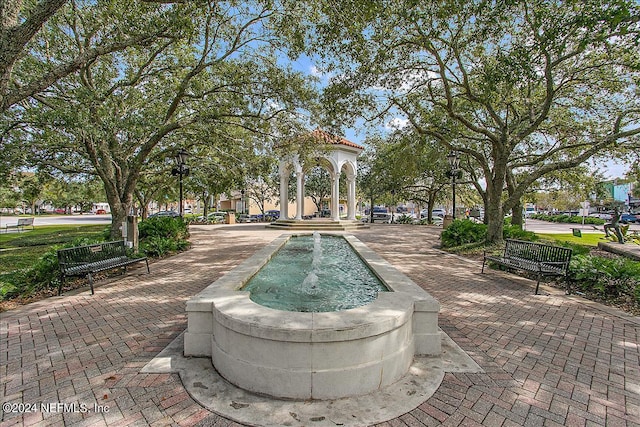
213 217
437 220
381 214
245 218
272 215
627 218
435 213
601 215
172 214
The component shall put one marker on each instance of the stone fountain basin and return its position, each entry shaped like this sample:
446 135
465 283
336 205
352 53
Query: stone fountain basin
325 355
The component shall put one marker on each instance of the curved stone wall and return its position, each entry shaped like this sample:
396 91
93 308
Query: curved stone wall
312 355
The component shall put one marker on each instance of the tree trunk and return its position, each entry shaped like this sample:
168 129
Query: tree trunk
120 205
371 210
118 216
516 215
430 203
494 214
205 198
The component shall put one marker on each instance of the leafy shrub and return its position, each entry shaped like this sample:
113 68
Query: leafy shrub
156 246
607 278
8 288
515 232
172 228
462 232
404 219
163 235
563 218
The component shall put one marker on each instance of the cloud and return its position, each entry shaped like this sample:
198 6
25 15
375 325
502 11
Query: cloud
317 72
396 123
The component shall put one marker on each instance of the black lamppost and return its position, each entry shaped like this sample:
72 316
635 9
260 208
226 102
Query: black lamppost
454 172
181 170
393 207
242 200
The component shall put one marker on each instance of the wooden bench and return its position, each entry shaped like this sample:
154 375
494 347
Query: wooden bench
90 259
537 258
22 223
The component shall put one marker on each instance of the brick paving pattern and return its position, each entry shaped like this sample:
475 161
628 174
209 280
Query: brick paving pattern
549 360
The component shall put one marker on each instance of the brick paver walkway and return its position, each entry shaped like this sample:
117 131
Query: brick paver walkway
548 360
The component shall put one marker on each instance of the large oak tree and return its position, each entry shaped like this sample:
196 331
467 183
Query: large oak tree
214 66
26 66
520 88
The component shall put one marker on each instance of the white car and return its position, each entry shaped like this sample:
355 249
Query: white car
213 217
435 213
605 216
437 220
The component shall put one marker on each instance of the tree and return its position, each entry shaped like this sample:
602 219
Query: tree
261 180
409 165
31 186
79 192
153 182
214 66
9 194
317 186
521 89
27 66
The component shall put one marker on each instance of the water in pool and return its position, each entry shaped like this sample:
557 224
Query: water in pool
314 274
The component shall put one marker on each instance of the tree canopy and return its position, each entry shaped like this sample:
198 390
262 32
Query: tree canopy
209 68
521 89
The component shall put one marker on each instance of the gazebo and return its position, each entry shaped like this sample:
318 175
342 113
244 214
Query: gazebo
334 153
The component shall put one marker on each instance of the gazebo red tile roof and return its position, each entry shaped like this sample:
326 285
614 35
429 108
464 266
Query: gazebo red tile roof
329 138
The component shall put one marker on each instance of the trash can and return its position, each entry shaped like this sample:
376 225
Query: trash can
230 218
447 220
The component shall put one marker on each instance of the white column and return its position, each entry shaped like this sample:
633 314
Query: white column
335 196
299 194
302 200
284 193
351 197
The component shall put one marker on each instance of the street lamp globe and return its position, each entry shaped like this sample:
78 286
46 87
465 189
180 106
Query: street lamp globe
181 157
453 159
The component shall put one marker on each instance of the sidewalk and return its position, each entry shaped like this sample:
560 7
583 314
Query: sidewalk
548 360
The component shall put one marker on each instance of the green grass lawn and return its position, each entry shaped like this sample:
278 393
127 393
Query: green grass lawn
587 239
23 249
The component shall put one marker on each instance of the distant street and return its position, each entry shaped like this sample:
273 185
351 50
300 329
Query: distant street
530 224
58 220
